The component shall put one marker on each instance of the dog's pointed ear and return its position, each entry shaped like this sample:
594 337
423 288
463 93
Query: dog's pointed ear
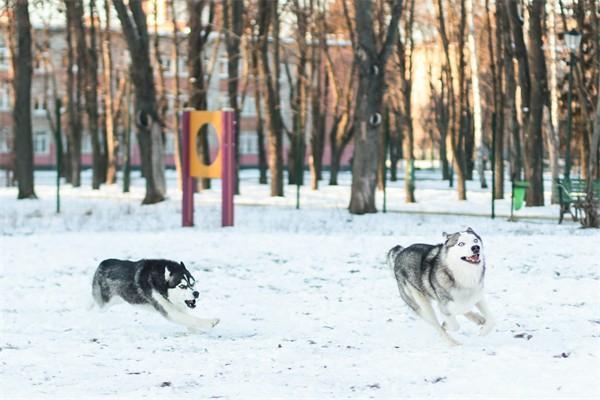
451 239
182 264
445 235
169 278
470 230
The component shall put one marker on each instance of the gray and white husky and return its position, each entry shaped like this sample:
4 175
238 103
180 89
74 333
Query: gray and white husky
163 284
450 274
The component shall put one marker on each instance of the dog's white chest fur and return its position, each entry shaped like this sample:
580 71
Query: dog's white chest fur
466 275
469 290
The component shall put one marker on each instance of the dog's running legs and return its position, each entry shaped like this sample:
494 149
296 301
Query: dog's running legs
489 323
426 312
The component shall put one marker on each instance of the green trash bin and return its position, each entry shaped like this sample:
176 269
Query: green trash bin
518 194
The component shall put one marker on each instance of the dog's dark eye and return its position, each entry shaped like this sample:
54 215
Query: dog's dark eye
182 286
461 244
475 241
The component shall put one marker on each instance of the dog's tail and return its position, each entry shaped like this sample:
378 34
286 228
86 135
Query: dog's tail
391 256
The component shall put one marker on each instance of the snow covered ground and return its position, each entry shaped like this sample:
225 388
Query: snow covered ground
308 308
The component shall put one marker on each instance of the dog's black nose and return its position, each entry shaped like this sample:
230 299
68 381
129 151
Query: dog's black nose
196 294
475 249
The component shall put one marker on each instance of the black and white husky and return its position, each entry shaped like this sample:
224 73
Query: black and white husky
165 285
450 274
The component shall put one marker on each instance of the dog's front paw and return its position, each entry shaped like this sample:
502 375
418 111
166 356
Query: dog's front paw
450 325
487 327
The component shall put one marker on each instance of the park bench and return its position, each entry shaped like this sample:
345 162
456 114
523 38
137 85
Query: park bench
572 195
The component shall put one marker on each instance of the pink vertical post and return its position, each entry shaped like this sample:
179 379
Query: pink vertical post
228 167
187 182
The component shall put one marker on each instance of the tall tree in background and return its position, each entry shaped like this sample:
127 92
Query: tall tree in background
109 108
479 144
254 51
74 92
23 70
268 14
371 60
534 165
456 120
496 69
135 30
298 96
513 127
88 56
233 25
177 93
342 128
405 49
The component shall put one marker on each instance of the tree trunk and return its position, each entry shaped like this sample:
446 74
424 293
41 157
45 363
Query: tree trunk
150 131
109 110
176 102
456 120
405 53
87 51
371 64
262 157
553 133
22 105
233 17
74 91
479 145
533 134
516 153
268 13
497 88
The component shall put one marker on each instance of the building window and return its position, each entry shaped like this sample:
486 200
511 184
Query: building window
39 105
4 58
86 143
166 65
248 143
223 68
183 70
169 143
4 97
4 140
41 142
249 109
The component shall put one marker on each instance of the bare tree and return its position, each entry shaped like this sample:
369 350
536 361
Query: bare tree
298 95
177 93
87 49
135 30
23 70
456 118
513 127
479 145
268 14
342 128
74 92
233 25
109 108
405 49
371 60
496 62
254 50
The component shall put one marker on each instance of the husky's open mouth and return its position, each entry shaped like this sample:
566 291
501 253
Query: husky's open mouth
474 259
190 303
